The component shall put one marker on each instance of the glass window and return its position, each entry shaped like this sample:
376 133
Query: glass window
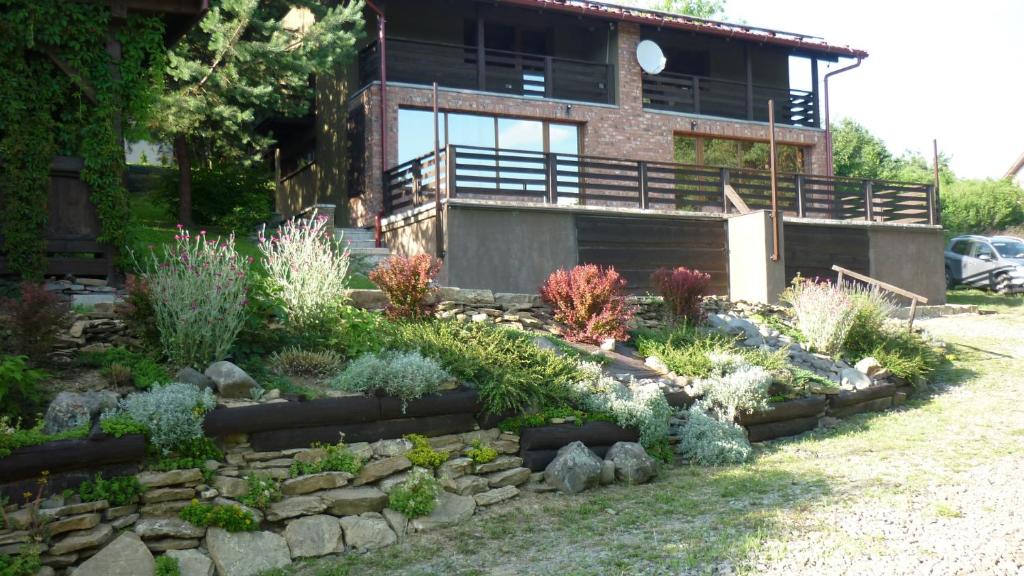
563 138
416 133
516 134
961 247
983 250
737 154
1009 248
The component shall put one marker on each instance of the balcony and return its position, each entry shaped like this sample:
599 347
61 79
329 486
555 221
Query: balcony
564 179
489 70
729 99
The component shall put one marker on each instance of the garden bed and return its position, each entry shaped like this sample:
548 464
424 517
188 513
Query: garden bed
540 444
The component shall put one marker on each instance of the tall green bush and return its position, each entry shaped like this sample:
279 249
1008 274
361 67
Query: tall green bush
979 206
20 394
228 195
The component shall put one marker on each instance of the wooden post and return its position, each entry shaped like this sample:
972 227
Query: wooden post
641 171
481 55
551 176
696 94
450 189
723 175
814 90
930 203
934 200
800 195
869 201
549 85
774 184
278 201
750 82
913 313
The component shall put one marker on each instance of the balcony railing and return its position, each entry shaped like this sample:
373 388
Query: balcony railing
471 67
565 179
728 98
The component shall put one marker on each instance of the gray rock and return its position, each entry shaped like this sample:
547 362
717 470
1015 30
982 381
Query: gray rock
499 463
231 381
314 536
388 484
295 506
353 501
72 523
367 532
497 495
192 562
388 448
159 479
314 482
167 544
156 495
450 510
466 485
455 468
230 487
246 553
71 409
607 472
855 379
513 477
81 540
125 556
632 463
378 469
574 469
398 522
742 326
656 363
871 367
153 528
196 378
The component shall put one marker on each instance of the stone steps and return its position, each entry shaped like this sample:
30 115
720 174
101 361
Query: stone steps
361 244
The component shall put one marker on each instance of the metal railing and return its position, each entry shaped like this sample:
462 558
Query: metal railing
567 179
728 98
476 68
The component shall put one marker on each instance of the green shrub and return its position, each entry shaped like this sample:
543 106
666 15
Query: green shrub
173 413
511 373
14 437
336 458
416 496
229 195
145 371
262 491
167 566
407 375
978 206
544 417
227 516
481 453
25 563
118 491
422 454
709 442
685 349
296 361
118 425
873 308
905 355
361 331
20 396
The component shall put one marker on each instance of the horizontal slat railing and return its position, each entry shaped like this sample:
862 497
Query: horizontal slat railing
507 72
538 177
728 98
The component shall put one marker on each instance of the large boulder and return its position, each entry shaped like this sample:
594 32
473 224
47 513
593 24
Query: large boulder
314 536
71 409
192 562
190 375
853 379
230 380
125 556
871 367
632 463
574 469
246 553
367 531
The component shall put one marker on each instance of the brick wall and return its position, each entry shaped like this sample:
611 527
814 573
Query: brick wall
623 131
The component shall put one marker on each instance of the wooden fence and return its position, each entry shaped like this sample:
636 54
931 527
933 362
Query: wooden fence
566 179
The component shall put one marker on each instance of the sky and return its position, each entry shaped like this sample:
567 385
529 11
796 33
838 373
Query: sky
937 69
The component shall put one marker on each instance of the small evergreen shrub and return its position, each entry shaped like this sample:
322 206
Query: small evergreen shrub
262 492
416 496
20 393
296 361
682 290
143 371
25 563
422 454
198 291
173 413
118 491
34 320
735 387
709 442
227 516
824 313
407 375
407 281
306 270
481 453
336 458
590 302
119 425
685 349
166 566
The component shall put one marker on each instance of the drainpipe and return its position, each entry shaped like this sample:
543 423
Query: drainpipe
381 26
830 169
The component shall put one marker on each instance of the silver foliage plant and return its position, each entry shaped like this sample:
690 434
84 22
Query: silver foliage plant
636 405
173 413
407 375
708 441
307 269
735 387
824 313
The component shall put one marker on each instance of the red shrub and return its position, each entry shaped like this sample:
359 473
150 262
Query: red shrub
590 302
35 319
406 281
137 310
682 289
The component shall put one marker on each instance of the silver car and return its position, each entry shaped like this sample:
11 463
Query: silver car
992 262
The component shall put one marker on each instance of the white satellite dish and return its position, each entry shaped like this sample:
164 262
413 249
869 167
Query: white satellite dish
650 57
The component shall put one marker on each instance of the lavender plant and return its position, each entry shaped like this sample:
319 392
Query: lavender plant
824 313
307 269
198 290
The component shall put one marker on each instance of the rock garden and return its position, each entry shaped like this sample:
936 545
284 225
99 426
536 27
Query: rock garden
228 415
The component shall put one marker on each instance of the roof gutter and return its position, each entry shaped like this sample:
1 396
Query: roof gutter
830 167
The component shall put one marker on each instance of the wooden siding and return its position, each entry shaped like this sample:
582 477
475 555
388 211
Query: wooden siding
636 247
811 250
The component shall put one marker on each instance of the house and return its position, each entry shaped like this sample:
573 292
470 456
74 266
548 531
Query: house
556 146
1016 172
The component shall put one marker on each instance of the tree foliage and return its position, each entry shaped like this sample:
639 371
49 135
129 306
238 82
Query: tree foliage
696 8
978 206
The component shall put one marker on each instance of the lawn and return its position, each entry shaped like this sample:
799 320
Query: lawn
927 488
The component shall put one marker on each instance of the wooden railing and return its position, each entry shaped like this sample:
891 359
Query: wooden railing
730 99
538 177
472 67
879 285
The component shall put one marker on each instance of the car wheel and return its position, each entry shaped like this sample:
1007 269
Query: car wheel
949 279
1001 283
